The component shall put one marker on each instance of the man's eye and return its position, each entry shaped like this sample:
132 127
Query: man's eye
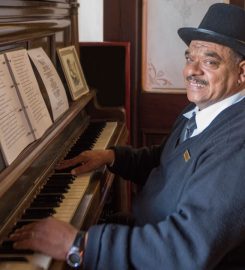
188 59
211 63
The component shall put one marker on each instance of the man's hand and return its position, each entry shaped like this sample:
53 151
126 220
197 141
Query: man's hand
88 161
49 236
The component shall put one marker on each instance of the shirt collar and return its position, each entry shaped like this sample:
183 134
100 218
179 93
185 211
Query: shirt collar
207 115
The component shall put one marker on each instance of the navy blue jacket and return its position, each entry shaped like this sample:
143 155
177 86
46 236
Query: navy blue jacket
190 213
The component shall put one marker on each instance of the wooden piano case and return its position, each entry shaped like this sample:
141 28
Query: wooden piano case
51 24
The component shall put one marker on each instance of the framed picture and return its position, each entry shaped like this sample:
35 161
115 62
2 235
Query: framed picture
73 72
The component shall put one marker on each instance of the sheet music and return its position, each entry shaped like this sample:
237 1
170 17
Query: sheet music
29 90
15 132
53 84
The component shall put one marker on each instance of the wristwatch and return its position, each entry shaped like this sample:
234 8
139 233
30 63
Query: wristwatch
74 256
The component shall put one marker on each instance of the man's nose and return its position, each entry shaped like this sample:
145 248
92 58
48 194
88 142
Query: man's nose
194 68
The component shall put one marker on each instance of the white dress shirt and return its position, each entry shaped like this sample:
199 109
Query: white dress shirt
207 115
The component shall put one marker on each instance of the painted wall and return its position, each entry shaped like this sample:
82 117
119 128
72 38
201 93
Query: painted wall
163 50
91 20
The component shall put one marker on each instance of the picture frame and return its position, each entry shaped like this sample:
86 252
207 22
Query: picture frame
73 72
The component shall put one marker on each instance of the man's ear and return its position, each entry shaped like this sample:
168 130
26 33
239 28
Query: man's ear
242 72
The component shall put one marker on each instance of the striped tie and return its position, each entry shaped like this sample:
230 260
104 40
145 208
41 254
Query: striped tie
188 129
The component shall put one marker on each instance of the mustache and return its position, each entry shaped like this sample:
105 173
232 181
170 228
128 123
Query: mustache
196 80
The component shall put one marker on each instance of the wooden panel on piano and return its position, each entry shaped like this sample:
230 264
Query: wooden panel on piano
30 24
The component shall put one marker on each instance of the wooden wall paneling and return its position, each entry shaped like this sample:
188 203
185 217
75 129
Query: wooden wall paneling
122 23
159 112
240 3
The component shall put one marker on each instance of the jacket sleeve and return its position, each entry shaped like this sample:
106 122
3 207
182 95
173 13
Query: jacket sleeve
207 223
136 164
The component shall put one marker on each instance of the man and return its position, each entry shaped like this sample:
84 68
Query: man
190 213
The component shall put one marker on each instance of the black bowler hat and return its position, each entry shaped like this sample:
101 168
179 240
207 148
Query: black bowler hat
223 24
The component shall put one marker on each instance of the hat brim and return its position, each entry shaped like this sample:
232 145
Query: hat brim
187 34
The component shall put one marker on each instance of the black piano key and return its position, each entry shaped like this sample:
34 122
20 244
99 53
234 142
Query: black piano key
7 248
55 189
67 170
61 177
87 139
44 204
19 224
62 182
13 258
53 184
49 197
76 152
37 213
59 182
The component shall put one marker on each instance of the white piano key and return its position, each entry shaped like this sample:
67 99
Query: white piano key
72 198
105 136
18 266
40 260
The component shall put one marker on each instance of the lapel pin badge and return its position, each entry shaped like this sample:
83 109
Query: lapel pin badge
186 155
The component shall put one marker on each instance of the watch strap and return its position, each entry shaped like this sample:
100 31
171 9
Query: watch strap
74 257
79 240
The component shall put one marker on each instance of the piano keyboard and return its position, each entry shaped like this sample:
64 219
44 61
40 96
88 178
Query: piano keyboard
77 189
60 198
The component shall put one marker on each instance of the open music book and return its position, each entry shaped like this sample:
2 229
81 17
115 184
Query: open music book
24 116
51 80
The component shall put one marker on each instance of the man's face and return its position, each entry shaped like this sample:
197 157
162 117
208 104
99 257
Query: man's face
211 73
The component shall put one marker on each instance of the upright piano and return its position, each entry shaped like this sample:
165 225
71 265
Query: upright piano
31 188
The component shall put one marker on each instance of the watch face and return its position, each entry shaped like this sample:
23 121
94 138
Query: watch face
74 259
